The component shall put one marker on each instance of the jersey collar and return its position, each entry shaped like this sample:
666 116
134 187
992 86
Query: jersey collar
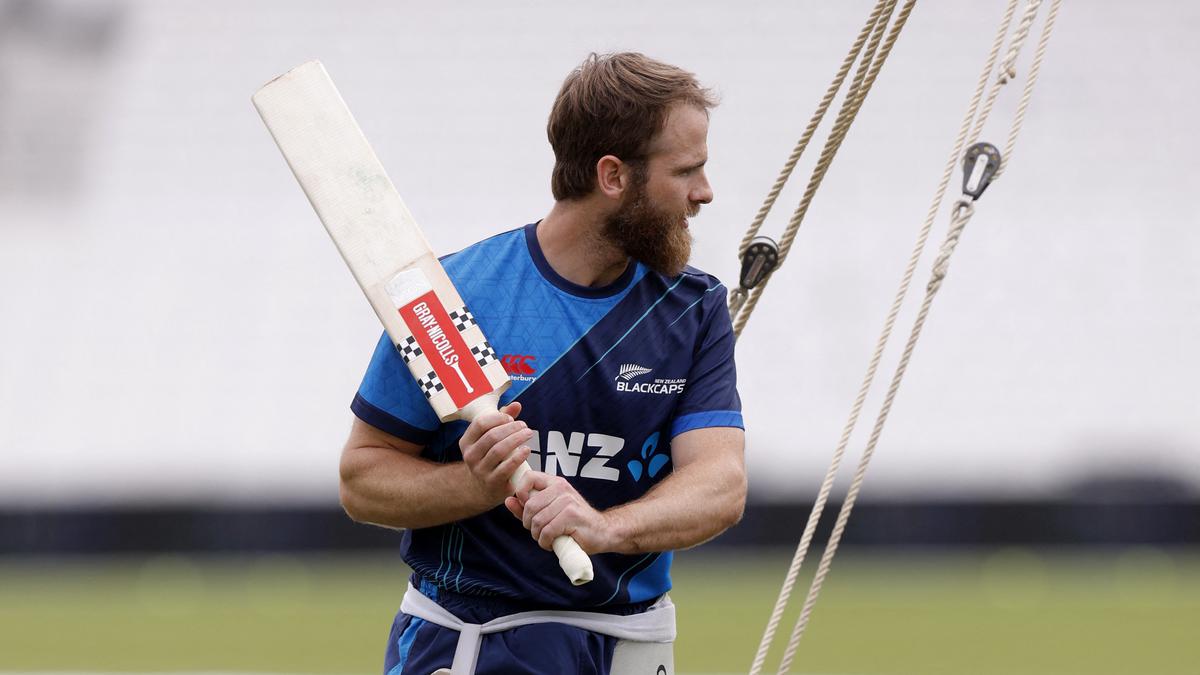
548 273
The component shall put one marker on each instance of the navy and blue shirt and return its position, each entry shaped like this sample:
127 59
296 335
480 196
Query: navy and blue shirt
606 377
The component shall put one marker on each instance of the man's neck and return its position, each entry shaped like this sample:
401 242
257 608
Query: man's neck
571 237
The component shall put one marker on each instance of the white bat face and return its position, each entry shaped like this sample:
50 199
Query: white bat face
380 241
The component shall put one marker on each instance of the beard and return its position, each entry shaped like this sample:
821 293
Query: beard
655 237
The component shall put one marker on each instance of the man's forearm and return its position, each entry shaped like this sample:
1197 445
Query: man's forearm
692 505
385 487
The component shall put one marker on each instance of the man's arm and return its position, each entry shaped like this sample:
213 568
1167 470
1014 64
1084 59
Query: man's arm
704 496
385 481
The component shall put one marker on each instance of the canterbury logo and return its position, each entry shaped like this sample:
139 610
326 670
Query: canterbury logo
629 371
519 364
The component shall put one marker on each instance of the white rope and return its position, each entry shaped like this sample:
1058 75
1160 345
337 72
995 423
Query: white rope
741 304
738 297
1008 67
960 217
813 123
835 464
867 72
1027 93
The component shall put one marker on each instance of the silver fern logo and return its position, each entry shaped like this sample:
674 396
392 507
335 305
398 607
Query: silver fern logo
628 371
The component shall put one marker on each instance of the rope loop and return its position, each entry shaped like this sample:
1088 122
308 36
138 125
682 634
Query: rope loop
962 209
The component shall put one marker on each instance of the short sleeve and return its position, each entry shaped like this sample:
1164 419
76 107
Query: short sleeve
389 398
710 398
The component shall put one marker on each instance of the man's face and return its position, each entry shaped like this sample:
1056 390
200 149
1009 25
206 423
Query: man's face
666 189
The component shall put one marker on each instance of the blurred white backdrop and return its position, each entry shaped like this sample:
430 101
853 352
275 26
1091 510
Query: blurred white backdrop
175 324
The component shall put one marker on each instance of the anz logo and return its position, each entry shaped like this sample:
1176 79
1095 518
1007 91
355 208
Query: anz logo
652 461
562 454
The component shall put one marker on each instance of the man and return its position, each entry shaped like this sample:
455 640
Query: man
623 402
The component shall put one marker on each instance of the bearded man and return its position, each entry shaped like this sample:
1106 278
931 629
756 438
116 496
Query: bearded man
623 403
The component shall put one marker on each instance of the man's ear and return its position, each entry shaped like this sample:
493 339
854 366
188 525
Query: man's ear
612 177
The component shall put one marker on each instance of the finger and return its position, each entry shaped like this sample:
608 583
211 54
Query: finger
477 451
566 524
549 534
514 506
565 517
512 409
481 425
508 466
535 481
546 516
536 498
548 505
499 433
538 501
529 509
503 451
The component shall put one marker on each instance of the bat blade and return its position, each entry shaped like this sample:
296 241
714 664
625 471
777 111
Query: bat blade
420 309
379 240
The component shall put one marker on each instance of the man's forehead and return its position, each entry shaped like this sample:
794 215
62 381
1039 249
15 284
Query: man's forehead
685 132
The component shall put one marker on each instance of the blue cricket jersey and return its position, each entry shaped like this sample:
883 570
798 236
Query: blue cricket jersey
606 377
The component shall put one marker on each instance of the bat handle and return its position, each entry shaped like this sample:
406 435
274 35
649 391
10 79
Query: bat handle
571 558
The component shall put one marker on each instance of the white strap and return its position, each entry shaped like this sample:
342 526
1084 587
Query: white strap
656 624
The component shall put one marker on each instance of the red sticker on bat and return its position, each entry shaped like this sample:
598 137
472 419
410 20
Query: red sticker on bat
445 348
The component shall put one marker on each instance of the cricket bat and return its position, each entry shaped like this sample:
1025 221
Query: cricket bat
384 248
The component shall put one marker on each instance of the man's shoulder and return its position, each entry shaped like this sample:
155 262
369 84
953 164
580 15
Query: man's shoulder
490 269
500 244
700 276
693 281
692 293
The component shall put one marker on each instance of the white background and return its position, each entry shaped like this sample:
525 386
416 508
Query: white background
175 325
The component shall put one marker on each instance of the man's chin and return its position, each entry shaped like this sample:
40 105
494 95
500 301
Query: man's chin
658 240
667 265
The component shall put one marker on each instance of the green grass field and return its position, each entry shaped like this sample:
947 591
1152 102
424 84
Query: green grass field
1006 612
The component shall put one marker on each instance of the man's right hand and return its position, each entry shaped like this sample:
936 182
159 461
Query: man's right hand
492 448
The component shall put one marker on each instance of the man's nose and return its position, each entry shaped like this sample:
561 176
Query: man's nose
702 193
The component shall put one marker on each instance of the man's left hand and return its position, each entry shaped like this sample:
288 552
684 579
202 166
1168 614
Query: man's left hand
549 507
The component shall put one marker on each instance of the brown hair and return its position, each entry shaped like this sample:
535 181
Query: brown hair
613 104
